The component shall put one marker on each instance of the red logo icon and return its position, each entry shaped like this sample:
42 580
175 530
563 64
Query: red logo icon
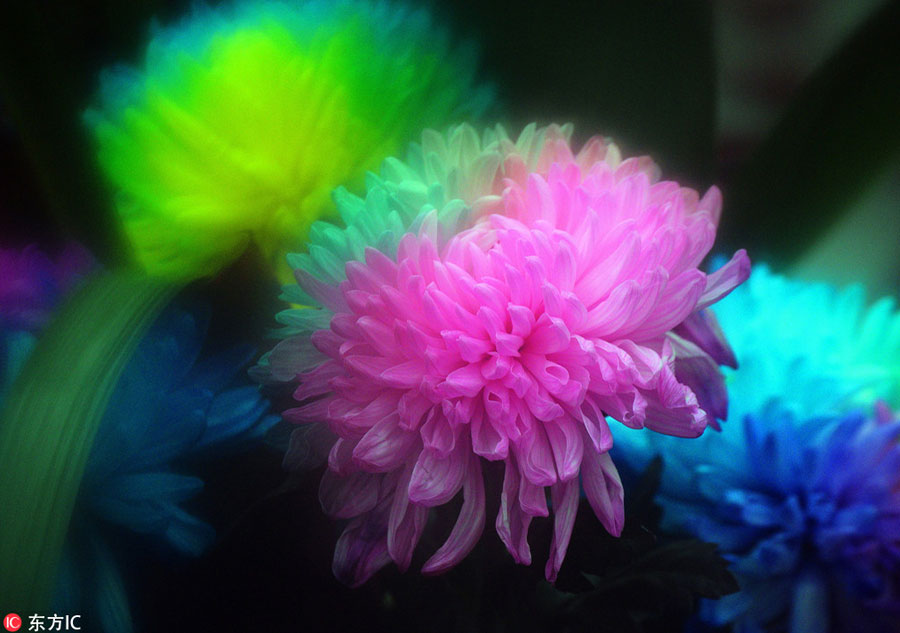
12 622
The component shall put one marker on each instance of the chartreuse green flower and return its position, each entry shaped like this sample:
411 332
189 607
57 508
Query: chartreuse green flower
242 120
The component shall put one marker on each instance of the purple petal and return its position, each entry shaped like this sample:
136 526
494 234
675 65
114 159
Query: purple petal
695 369
603 489
469 525
532 499
385 446
486 441
512 524
327 295
726 279
565 506
350 496
702 329
567 446
535 457
405 524
362 548
436 479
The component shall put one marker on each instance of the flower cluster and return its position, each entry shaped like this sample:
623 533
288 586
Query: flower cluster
244 118
532 292
800 489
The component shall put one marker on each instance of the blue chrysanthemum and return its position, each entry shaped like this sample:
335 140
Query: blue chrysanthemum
168 406
799 489
808 512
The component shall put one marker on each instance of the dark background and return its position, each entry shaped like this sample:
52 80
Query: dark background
649 74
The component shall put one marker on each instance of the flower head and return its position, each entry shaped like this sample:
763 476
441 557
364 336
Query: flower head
508 340
800 490
169 405
244 118
809 514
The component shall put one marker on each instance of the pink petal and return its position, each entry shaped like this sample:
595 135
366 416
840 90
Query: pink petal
565 507
486 440
435 479
437 433
603 489
566 444
315 382
316 411
512 524
535 457
405 523
466 381
726 279
385 446
595 424
678 300
469 525
532 499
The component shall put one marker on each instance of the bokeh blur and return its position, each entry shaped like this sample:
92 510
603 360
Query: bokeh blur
789 106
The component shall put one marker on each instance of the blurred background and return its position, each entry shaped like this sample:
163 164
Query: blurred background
789 106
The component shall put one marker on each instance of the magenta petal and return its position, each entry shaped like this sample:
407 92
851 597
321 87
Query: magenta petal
437 433
603 489
405 524
565 506
702 329
566 444
512 524
362 548
469 525
404 375
385 446
486 440
596 426
436 479
466 381
672 408
532 499
678 301
535 457
726 279
350 496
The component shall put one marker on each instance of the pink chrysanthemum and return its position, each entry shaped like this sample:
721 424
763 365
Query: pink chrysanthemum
573 295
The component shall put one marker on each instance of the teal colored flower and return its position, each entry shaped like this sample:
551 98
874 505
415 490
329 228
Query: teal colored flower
800 488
